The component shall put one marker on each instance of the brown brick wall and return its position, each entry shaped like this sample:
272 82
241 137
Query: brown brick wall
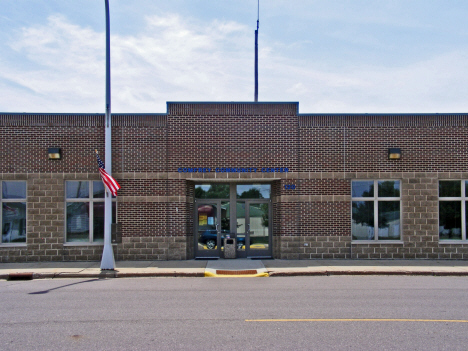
139 149
325 218
359 143
143 187
324 153
24 148
142 219
210 136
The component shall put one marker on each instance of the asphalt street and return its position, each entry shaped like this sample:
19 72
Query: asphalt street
283 313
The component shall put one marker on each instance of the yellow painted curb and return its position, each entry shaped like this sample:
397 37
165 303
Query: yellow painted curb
214 275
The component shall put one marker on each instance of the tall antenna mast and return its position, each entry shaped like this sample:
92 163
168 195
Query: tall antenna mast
256 52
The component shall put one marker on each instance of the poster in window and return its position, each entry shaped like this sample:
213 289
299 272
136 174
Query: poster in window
202 219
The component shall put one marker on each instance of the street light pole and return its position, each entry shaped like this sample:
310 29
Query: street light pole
256 53
107 261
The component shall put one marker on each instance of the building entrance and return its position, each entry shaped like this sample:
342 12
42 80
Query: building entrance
248 220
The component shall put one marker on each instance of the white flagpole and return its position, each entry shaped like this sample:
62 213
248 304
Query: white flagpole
107 261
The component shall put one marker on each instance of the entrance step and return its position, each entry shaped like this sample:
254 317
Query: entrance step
238 268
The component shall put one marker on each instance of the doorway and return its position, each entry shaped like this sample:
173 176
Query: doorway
244 213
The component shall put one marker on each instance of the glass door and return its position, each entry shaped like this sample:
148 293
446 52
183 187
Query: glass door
258 229
207 229
253 228
212 221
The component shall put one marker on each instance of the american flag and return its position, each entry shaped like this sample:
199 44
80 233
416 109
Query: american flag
110 183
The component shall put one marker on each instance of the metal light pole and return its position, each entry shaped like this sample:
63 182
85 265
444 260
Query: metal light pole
256 53
107 261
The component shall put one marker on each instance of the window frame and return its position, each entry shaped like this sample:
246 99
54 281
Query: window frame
376 199
17 200
91 201
463 199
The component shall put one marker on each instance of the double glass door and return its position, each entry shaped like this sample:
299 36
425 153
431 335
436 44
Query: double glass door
249 224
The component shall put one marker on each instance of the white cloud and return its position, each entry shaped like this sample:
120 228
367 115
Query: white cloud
432 85
171 60
180 59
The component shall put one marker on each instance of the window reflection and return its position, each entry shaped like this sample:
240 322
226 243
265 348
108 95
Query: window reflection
259 226
77 190
389 220
98 189
253 191
450 220
14 222
362 188
13 190
212 191
449 188
77 221
207 227
363 220
98 220
388 188
85 211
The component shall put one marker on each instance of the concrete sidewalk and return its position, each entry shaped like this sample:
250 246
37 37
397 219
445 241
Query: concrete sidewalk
232 268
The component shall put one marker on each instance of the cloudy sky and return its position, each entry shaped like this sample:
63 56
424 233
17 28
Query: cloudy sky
332 56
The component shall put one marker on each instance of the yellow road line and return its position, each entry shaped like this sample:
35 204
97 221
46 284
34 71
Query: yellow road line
360 320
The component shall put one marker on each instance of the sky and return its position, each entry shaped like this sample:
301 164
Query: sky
331 56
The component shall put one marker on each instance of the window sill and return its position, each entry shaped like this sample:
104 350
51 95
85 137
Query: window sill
456 242
367 242
13 245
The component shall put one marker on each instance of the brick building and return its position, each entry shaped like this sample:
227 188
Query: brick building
283 184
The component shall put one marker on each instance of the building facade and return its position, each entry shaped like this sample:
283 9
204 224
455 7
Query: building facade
281 184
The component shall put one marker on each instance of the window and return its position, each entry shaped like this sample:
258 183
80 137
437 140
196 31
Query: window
85 211
453 195
212 191
253 191
13 215
376 210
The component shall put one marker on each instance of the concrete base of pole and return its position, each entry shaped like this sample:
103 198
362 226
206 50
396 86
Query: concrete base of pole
107 261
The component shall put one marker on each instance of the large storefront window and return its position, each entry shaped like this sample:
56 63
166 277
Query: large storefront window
376 209
13 216
453 210
85 211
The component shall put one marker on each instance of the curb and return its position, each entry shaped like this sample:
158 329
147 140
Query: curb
329 273
116 274
162 274
103 275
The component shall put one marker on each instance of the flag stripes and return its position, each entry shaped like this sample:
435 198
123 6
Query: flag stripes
110 183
